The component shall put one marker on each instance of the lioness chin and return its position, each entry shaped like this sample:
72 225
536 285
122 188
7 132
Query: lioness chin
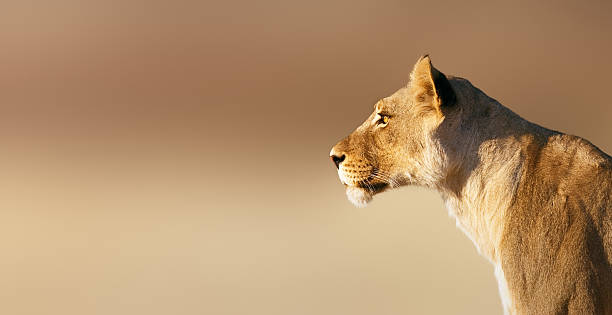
536 202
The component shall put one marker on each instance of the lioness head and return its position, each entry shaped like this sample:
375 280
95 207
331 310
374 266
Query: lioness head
399 143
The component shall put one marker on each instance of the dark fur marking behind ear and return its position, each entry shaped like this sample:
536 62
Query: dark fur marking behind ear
443 89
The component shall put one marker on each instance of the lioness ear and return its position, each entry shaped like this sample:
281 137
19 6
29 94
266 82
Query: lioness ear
430 86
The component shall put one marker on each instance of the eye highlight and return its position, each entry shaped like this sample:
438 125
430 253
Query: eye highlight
383 120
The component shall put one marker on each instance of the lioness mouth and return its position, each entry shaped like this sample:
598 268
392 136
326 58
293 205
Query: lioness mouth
373 187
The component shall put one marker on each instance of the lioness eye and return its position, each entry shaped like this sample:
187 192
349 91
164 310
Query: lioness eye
384 119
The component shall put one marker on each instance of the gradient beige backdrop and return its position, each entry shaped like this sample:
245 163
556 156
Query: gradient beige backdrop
172 158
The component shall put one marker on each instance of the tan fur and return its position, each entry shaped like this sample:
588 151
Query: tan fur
537 203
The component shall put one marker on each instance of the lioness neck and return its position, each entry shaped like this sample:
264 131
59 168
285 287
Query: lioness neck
479 190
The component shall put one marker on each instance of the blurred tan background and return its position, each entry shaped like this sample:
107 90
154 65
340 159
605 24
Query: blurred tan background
172 158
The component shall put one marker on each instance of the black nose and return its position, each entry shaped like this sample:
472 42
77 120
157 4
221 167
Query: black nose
338 159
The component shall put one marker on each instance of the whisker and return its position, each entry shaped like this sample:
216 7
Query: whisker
385 177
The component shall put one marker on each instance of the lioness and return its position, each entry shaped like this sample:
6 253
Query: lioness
536 202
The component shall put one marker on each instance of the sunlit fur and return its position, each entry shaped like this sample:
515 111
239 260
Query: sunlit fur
536 203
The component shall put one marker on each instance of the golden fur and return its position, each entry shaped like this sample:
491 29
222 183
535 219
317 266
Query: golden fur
537 203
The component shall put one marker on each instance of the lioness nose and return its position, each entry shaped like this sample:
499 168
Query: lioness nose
338 159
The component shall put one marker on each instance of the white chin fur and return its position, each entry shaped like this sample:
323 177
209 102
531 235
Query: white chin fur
358 196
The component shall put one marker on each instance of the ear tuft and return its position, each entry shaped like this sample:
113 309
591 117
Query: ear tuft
421 71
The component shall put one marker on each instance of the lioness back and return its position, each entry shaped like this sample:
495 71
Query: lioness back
557 242
536 203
